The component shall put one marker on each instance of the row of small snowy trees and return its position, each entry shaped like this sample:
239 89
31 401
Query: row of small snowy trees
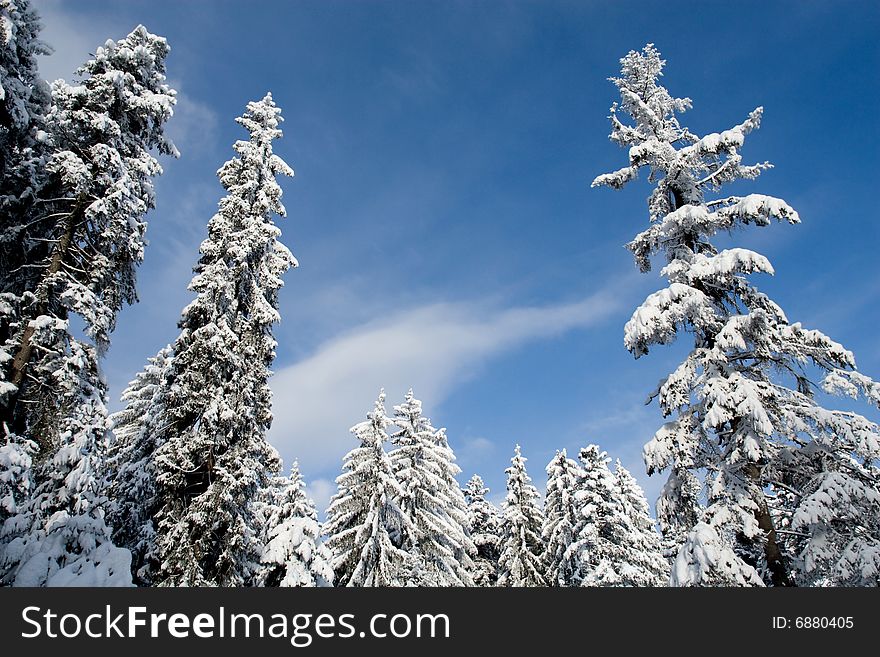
399 517
765 485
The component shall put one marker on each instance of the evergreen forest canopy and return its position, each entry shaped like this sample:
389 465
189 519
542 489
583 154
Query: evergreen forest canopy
764 485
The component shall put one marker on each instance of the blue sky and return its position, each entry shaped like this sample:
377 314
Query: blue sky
441 211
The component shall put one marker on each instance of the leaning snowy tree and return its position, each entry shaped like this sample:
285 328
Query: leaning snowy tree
293 554
24 100
522 550
787 482
76 233
487 529
94 187
366 528
216 407
425 468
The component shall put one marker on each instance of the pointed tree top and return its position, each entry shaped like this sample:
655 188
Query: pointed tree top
476 483
261 118
593 454
379 406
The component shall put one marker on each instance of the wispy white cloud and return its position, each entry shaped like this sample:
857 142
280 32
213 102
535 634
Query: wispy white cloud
194 126
72 36
321 490
430 348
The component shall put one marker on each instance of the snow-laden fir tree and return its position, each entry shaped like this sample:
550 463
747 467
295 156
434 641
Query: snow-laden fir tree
614 541
642 563
678 509
138 431
487 530
24 100
598 547
425 468
457 511
742 404
61 537
73 228
293 554
95 186
366 529
522 551
561 519
707 559
216 407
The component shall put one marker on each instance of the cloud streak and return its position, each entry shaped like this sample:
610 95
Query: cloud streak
430 348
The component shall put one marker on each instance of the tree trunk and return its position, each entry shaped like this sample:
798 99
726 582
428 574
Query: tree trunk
24 353
772 553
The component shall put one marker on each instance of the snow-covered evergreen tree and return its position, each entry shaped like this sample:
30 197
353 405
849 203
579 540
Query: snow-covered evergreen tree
457 510
642 562
597 548
138 431
213 458
61 538
614 542
743 402
24 101
293 554
522 551
561 518
96 186
424 465
366 528
487 530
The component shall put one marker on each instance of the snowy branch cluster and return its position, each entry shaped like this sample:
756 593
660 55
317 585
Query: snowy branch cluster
765 485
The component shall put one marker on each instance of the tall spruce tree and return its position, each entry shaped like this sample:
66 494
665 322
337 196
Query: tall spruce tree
424 465
522 550
456 512
366 528
614 542
561 518
213 458
293 554
487 528
743 402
